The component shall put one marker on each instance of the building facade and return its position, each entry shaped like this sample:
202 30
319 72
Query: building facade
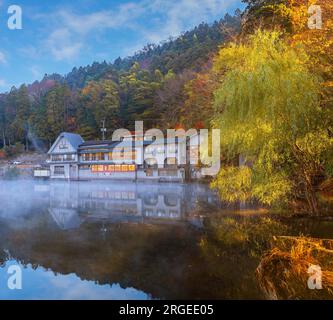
135 158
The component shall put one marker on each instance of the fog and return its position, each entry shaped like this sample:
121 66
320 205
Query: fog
72 203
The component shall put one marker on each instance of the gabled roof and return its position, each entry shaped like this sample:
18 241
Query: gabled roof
102 143
73 139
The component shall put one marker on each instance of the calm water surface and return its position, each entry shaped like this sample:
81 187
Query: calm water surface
132 241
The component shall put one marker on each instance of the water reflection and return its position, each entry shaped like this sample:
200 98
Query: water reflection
41 284
72 204
142 238
132 241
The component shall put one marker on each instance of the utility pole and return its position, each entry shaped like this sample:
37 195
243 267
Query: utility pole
103 129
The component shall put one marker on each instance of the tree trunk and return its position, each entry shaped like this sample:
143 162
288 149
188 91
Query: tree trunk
4 138
26 143
311 198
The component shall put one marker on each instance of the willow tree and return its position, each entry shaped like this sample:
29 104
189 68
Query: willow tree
268 107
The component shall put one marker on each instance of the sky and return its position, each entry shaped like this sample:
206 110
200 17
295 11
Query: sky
59 35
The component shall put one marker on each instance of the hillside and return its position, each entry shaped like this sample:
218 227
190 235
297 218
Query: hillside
129 89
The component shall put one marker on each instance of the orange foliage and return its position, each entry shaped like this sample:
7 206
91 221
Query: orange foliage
317 42
198 106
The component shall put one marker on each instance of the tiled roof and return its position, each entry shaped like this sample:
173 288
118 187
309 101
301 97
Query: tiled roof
98 143
74 139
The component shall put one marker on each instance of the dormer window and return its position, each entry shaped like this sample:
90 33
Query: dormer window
63 145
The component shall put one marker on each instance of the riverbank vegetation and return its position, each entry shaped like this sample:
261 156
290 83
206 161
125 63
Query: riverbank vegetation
295 266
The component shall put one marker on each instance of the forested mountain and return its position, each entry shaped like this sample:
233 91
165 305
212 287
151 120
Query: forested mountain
148 86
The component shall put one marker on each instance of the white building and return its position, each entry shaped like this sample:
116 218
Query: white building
133 158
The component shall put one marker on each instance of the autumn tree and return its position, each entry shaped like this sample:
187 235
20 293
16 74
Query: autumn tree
98 101
138 89
268 107
197 110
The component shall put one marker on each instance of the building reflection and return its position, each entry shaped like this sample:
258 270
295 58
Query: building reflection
72 204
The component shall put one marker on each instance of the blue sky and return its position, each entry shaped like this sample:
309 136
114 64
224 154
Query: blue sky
58 35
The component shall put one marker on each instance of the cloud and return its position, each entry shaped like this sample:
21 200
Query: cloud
36 72
62 44
124 15
180 15
3 59
30 51
70 31
154 20
3 83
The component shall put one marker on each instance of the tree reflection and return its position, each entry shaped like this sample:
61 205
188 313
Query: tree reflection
232 247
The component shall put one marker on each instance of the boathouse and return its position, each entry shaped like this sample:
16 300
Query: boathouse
134 158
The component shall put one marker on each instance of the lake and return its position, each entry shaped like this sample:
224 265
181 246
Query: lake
118 240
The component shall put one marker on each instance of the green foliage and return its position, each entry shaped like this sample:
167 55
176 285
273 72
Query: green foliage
227 232
99 101
268 109
233 183
138 88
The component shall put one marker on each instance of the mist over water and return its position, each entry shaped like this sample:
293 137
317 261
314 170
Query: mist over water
72 203
85 240
119 240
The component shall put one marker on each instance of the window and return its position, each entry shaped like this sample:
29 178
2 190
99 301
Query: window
113 168
99 156
63 145
56 158
86 157
59 170
69 157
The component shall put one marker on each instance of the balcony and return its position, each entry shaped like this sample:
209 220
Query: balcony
62 158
